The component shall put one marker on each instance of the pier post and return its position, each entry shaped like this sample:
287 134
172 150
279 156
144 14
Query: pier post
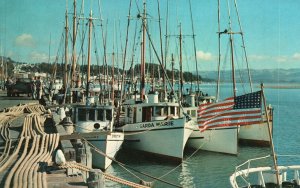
96 179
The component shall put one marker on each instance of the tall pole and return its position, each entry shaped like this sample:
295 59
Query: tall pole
270 135
231 52
89 55
172 62
161 50
66 51
73 49
66 58
180 63
142 95
219 55
195 54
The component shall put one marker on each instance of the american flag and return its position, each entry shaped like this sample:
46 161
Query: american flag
241 110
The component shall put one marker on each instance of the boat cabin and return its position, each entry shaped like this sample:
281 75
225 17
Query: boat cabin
93 118
150 110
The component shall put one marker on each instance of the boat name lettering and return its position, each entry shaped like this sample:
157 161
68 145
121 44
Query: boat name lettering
166 123
147 125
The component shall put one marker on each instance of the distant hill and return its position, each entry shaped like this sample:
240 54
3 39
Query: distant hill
258 76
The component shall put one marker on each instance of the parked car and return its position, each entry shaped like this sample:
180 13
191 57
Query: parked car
22 86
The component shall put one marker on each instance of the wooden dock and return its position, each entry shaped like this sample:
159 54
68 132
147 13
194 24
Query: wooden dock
29 139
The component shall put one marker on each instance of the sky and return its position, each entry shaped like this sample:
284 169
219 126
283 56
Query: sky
30 29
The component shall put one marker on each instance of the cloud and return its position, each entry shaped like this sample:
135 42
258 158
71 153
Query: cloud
296 56
206 56
25 40
282 59
258 57
38 57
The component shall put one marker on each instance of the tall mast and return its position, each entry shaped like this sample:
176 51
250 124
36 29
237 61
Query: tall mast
66 52
219 54
73 48
161 50
180 63
172 62
143 53
113 67
195 52
231 52
89 55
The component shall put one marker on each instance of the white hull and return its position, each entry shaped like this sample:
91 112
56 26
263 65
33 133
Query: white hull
222 140
256 133
165 138
109 145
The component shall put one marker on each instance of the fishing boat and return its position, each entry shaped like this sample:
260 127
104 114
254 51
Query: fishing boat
97 116
154 126
221 139
229 126
216 138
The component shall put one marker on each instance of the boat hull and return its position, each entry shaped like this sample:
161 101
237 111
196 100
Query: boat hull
255 134
166 139
222 140
108 144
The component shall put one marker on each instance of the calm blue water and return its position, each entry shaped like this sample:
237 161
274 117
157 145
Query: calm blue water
207 169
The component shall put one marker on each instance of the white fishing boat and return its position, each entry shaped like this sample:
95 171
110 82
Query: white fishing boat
99 119
97 116
156 127
217 139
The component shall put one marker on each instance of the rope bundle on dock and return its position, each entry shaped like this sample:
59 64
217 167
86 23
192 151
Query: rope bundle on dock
36 146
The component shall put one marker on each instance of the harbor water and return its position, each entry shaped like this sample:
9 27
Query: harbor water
207 169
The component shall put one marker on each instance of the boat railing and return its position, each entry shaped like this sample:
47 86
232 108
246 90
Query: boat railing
265 174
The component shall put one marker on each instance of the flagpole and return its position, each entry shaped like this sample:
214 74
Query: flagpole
270 135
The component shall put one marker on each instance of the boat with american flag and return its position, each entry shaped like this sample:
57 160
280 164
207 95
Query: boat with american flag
239 117
219 123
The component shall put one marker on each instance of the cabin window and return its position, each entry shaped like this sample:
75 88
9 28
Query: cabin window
173 110
188 112
92 114
165 111
158 111
100 115
109 115
147 114
193 113
82 114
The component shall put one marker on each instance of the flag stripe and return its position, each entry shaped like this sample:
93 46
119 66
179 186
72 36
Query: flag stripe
226 125
231 113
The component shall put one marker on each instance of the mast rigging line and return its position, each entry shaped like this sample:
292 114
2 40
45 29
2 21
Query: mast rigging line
124 61
195 50
129 167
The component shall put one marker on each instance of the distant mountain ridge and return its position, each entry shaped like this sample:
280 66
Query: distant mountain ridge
258 75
